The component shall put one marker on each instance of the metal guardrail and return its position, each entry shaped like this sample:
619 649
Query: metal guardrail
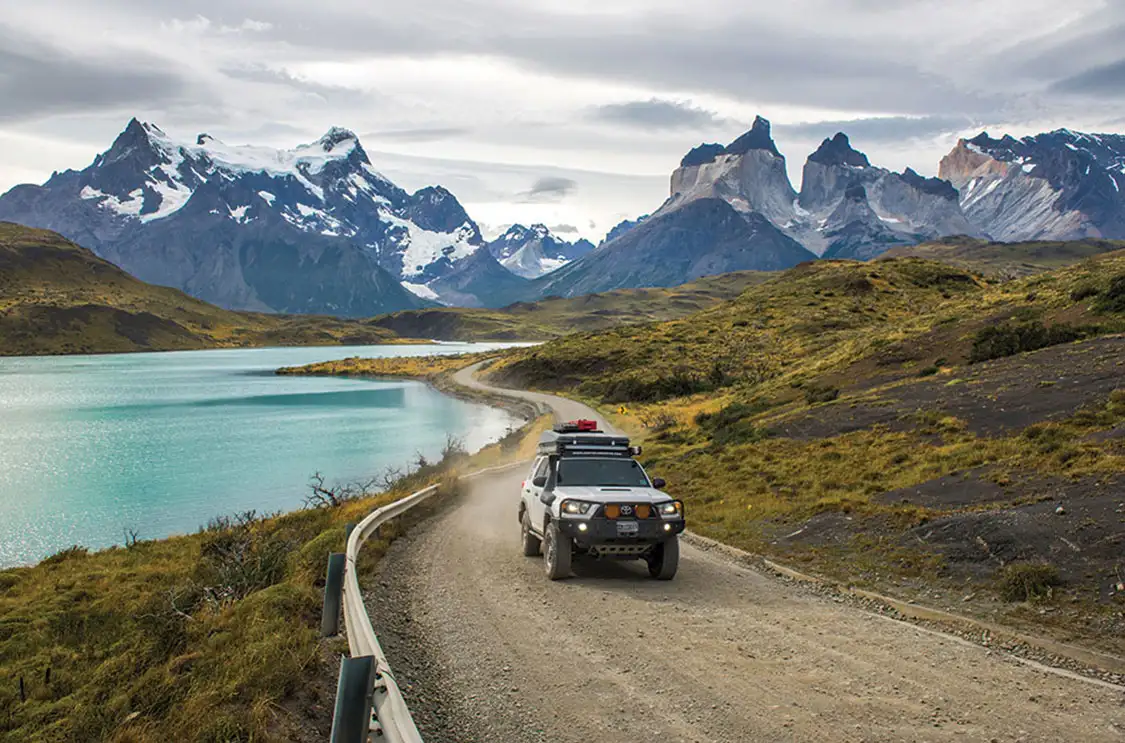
392 718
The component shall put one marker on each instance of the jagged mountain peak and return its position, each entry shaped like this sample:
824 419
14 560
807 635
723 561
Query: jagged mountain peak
838 150
758 138
335 136
933 186
701 155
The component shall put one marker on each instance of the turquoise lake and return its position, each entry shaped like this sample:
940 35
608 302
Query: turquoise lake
161 442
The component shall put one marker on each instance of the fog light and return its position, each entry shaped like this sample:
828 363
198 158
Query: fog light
667 527
581 527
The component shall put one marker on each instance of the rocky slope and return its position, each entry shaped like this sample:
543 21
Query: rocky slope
1060 185
701 237
312 229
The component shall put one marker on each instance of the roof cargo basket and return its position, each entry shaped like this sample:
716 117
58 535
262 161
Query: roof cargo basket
582 425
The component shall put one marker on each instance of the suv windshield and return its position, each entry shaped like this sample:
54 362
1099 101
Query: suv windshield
621 472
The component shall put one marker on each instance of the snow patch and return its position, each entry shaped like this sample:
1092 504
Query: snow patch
421 247
130 207
267 197
420 290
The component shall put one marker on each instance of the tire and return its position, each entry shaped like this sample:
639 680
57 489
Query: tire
531 543
557 551
665 560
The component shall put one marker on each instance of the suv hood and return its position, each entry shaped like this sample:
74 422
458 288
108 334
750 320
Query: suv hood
611 494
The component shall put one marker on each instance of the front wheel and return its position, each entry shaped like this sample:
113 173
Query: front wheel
665 559
558 551
530 541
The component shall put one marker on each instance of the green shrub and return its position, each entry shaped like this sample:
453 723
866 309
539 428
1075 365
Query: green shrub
1084 292
1027 581
1113 298
929 371
816 393
633 389
730 425
999 341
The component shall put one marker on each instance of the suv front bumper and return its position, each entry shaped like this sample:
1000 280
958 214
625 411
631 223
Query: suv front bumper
602 531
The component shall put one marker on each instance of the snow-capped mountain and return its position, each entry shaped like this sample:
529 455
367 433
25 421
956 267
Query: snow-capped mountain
533 252
1059 185
311 229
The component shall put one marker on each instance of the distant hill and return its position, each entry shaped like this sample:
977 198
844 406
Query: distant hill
555 316
1008 259
57 298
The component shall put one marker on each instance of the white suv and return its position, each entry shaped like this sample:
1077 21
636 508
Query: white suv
587 496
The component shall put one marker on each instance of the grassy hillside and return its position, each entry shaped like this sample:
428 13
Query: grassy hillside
1007 260
57 297
902 424
207 637
554 317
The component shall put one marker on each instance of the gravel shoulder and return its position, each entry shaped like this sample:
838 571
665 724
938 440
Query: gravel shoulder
487 649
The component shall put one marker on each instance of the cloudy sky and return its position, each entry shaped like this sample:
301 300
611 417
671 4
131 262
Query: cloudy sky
569 112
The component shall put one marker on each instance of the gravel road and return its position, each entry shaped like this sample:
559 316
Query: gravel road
489 651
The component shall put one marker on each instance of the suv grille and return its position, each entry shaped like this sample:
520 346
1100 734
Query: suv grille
628 511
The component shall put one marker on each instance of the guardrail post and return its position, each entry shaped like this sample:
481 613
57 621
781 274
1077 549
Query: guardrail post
333 595
348 529
351 721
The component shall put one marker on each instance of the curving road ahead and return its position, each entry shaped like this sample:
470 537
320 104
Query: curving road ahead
489 651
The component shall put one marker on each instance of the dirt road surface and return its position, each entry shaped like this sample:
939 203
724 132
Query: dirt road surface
489 651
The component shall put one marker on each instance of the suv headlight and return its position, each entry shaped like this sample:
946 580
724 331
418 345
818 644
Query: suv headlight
575 507
671 508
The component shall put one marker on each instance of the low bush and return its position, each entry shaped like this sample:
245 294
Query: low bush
1008 339
1113 298
1028 581
816 393
730 425
1084 292
635 389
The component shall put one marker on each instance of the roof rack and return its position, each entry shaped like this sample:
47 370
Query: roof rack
573 443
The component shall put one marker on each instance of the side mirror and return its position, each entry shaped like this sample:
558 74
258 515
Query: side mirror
539 481
659 483
547 497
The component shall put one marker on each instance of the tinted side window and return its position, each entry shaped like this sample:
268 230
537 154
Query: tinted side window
541 470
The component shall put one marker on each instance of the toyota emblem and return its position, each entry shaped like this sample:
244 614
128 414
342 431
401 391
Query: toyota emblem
627 510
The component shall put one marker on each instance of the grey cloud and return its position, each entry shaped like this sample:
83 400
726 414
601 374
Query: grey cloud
38 80
430 134
1103 80
563 229
882 129
657 114
548 189
838 66
265 75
